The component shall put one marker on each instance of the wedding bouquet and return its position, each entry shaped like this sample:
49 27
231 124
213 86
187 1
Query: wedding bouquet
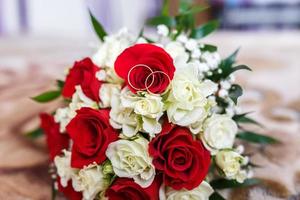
149 119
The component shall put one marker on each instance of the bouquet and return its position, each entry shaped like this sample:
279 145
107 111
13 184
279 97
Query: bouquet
149 119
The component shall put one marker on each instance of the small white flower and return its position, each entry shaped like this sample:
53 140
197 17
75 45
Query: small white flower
182 38
131 159
231 78
101 75
230 162
89 181
223 93
202 192
196 53
219 132
212 59
162 30
178 53
111 48
191 44
141 40
203 67
61 116
225 84
63 166
240 149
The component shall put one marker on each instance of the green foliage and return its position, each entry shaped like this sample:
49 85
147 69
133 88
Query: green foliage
60 84
209 47
47 96
98 27
235 92
256 138
38 132
224 183
166 20
226 68
184 20
243 119
204 29
216 196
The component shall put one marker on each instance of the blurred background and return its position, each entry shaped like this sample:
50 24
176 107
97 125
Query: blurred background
40 38
70 17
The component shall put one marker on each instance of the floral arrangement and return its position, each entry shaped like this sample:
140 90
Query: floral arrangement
150 119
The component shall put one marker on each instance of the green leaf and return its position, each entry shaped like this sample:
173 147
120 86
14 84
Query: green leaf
184 5
53 191
209 47
226 64
166 20
60 84
194 10
216 196
165 8
235 92
224 183
47 96
242 118
205 29
34 133
239 67
256 138
98 27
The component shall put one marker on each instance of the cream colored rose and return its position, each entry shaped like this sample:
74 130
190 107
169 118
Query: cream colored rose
230 163
202 192
106 92
148 108
187 101
123 117
219 132
130 159
89 181
63 166
111 48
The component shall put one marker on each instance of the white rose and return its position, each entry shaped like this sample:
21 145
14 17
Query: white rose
219 132
64 115
106 92
89 181
61 116
63 166
149 108
230 163
131 159
111 48
187 102
202 192
122 117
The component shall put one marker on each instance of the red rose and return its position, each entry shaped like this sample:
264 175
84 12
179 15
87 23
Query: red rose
83 73
127 189
145 67
69 191
183 161
55 140
91 134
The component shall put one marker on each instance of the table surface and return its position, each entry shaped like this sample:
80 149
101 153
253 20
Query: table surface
30 65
